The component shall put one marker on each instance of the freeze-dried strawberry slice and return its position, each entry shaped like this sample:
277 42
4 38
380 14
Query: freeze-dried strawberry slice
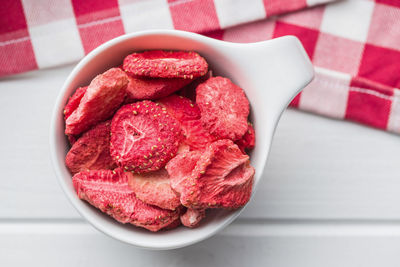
248 141
188 114
221 176
73 101
104 95
109 191
152 217
224 108
173 225
72 139
182 108
191 218
166 64
189 90
153 88
196 137
183 148
154 188
92 150
144 137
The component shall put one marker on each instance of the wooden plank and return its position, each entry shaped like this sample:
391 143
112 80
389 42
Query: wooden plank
276 244
318 168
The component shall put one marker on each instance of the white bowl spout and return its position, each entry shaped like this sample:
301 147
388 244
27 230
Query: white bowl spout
275 71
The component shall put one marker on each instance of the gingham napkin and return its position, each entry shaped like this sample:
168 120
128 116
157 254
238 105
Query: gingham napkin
354 44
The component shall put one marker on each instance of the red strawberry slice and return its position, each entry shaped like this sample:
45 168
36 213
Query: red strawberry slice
104 95
152 217
221 176
182 108
183 148
188 114
154 188
196 137
248 141
191 218
189 90
144 137
92 150
72 139
183 174
153 88
224 108
166 64
109 191
73 101
173 225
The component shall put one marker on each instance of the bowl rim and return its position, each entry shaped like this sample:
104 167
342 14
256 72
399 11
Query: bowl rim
53 144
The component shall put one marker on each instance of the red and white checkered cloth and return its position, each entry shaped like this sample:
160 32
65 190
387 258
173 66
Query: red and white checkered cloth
354 44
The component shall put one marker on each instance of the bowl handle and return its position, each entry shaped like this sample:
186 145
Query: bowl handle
278 69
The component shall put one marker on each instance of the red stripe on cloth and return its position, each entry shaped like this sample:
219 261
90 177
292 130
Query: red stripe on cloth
12 16
273 7
296 101
381 65
368 107
384 29
13 26
194 16
310 17
93 10
218 34
98 22
368 84
17 57
16 52
347 53
395 3
308 37
94 35
249 33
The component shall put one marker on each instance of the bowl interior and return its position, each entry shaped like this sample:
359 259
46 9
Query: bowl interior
111 54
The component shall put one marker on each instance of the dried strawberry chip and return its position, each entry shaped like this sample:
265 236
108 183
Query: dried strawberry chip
188 114
153 88
73 101
221 176
189 91
173 225
152 217
154 188
109 191
224 108
92 150
183 148
144 137
248 141
196 137
166 64
104 95
191 218
183 177
182 108
72 139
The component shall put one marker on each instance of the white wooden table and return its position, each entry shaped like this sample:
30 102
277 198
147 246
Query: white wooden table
330 197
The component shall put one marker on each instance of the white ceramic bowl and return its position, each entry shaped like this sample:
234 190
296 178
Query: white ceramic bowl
270 72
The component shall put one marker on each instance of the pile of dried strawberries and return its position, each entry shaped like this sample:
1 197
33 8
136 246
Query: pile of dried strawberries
145 153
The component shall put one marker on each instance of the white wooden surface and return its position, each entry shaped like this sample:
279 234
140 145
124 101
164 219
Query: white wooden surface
330 197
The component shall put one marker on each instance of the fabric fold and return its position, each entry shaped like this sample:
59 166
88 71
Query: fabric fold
353 44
